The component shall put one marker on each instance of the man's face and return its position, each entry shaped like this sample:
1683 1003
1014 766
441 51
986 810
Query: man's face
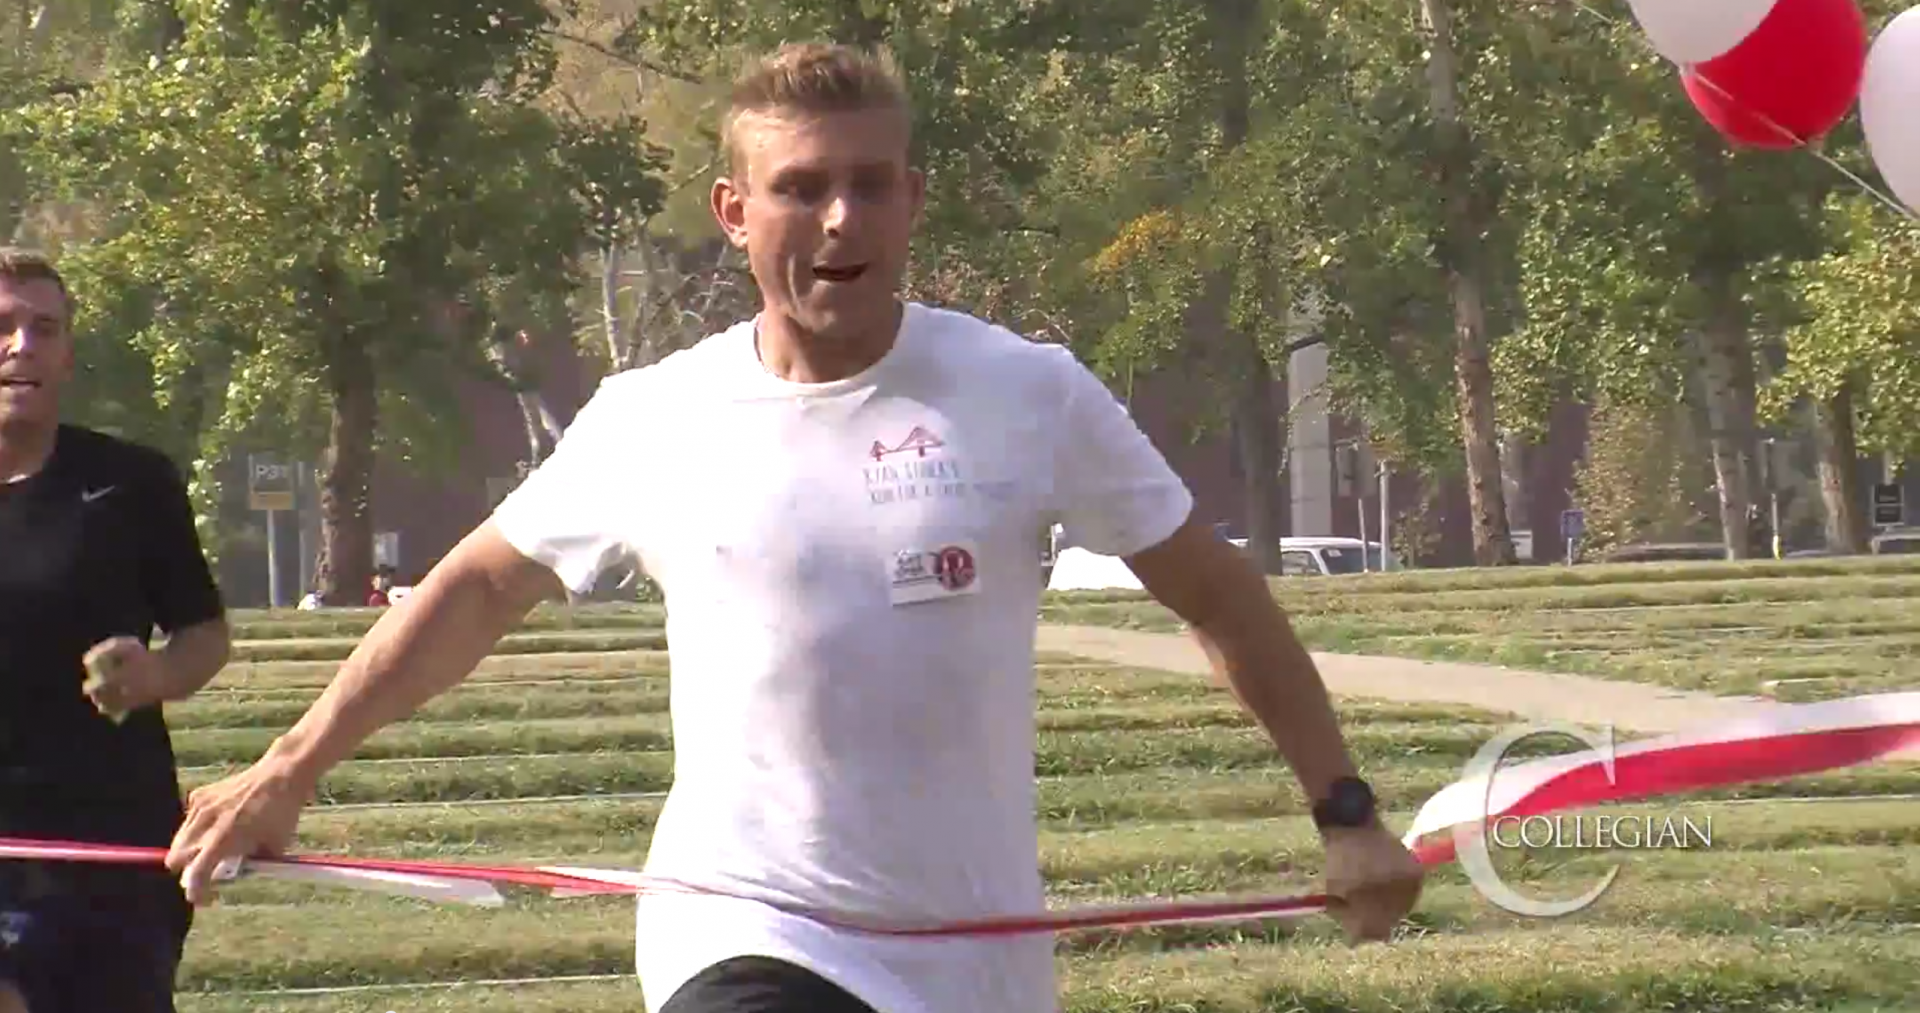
36 354
826 213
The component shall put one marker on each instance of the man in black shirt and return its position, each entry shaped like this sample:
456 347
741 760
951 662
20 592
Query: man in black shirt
97 547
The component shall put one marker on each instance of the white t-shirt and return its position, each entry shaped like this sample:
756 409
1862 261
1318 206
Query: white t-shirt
852 574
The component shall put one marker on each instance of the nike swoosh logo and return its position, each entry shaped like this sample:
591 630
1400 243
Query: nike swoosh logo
90 495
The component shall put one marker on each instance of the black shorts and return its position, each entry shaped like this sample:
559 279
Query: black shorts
77 938
760 985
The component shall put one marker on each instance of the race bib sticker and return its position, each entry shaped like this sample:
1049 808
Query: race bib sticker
945 571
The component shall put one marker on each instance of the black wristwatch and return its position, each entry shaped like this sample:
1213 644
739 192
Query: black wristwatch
1349 803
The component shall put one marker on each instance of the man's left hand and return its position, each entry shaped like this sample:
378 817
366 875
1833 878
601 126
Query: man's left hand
1373 881
124 676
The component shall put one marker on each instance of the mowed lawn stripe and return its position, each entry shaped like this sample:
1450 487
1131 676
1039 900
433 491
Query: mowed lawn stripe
312 676
592 825
1104 791
1084 741
338 649
258 679
1730 843
1057 686
1060 754
260 624
239 945
1071 688
646 728
1317 598
1577 969
1813 620
1851 646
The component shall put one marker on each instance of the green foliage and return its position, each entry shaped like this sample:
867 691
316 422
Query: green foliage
1861 322
1619 226
1638 481
295 183
251 189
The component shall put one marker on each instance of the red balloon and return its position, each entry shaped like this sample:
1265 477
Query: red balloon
1801 69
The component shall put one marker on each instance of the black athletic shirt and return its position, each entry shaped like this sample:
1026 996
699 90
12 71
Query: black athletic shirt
100 543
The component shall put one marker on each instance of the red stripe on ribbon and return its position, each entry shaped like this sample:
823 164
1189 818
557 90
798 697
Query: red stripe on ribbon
1787 740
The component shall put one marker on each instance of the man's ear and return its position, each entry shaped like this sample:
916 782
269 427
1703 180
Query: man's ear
730 210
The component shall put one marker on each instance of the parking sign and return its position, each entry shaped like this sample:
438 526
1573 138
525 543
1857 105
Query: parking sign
1573 524
269 483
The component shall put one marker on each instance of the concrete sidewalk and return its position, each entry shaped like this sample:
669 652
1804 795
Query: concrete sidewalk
1534 696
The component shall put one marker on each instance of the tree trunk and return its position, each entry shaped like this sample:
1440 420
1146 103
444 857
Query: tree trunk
1258 447
345 569
1248 375
1840 486
610 308
1466 222
1514 488
1734 467
507 351
1723 355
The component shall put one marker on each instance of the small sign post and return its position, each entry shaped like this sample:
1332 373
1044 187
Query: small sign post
270 490
1573 525
1889 504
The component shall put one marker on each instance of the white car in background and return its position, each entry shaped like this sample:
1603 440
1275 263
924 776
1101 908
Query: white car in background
1071 568
1329 557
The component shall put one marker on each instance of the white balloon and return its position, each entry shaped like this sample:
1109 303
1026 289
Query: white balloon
1695 31
1890 106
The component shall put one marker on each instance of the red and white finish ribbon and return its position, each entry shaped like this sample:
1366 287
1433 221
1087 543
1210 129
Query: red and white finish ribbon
1787 740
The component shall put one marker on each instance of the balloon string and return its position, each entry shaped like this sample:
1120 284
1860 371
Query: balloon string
1768 122
1898 207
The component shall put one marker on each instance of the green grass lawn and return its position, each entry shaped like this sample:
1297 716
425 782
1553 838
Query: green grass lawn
1151 784
1797 630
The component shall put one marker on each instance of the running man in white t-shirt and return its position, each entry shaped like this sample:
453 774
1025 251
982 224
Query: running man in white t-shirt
840 499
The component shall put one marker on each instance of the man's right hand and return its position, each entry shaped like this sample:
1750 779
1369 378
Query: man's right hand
252 814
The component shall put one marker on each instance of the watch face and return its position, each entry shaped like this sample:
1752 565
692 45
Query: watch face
1350 804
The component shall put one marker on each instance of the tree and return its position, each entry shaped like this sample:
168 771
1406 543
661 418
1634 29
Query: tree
1854 352
1650 256
55 47
673 295
1467 217
327 208
1190 203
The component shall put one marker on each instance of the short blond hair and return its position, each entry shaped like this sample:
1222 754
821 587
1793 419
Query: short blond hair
21 264
812 78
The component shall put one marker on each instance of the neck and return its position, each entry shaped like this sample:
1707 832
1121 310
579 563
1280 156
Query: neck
797 355
24 449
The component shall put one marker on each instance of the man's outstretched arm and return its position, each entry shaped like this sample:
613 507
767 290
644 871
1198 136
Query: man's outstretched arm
420 648
1372 878
1118 494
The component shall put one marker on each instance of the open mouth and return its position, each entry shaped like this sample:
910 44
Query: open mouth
839 272
18 383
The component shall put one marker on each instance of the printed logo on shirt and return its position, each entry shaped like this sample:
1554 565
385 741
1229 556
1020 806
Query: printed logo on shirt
923 467
927 575
918 443
912 474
